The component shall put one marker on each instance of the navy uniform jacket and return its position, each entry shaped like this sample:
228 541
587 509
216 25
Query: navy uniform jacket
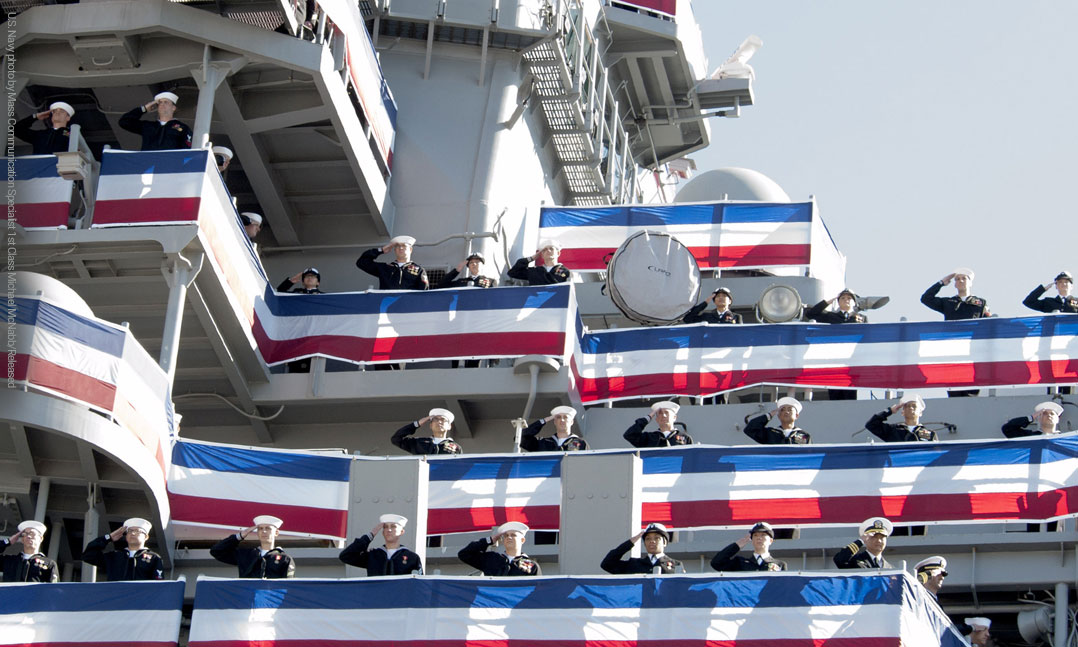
45 142
451 281
499 564
758 430
145 565
155 136
1016 428
288 286
426 445
637 437
538 275
391 276
890 433
954 308
274 565
697 315
728 559
855 556
402 562
36 569
1051 304
531 442
613 563
820 313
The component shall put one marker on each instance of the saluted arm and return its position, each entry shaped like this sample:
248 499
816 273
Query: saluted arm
367 263
757 430
613 563
1016 427
24 129
844 557
94 553
724 559
695 314
882 430
816 310
930 299
635 433
529 438
131 121
226 550
473 553
357 554
1033 300
402 438
447 280
519 270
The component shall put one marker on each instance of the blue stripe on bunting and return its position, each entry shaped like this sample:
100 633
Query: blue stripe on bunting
91 596
418 302
1034 451
67 324
670 592
678 214
261 463
478 469
36 167
787 335
156 162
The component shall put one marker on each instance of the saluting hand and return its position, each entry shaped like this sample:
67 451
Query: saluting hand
864 537
385 248
118 534
14 538
377 528
895 408
296 278
43 115
637 536
151 106
247 531
424 420
744 540
460 266
947 279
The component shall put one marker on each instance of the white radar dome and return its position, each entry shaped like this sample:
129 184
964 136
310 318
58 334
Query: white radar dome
28 284
731 184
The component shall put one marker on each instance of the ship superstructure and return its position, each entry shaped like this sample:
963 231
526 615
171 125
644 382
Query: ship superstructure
452 121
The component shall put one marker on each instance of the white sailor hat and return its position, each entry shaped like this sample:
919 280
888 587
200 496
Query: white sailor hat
63 105
268 520
406 240
549 242
964 271
789 401
657 528
569 411
30 523
393 518
252 217
1064 276
167 95
878 526
912 397
763 526
1051 406
140 523
444 413
223 151
930 564
666 404
978 623
513 526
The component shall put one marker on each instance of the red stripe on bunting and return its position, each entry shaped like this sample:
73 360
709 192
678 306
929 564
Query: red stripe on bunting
1057 371
595 258
238 514
394 349
95 643
853 509
882 641
42 373
49 215
441 521
143 211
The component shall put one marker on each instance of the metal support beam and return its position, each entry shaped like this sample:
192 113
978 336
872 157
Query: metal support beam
179 273
208 77
22 451
1062 614
91 529
461 427
41 506
258 173
228 363
288 119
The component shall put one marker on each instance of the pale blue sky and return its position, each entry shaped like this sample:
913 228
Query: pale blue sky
933 135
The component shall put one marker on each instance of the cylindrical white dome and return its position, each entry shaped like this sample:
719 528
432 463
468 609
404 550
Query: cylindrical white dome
731 184
28 284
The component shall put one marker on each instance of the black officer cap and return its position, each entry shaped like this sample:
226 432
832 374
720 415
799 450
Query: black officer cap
657 528
763 526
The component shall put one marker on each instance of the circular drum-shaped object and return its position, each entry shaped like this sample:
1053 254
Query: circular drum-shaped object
653 278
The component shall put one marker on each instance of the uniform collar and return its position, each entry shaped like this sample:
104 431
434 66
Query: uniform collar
561 441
